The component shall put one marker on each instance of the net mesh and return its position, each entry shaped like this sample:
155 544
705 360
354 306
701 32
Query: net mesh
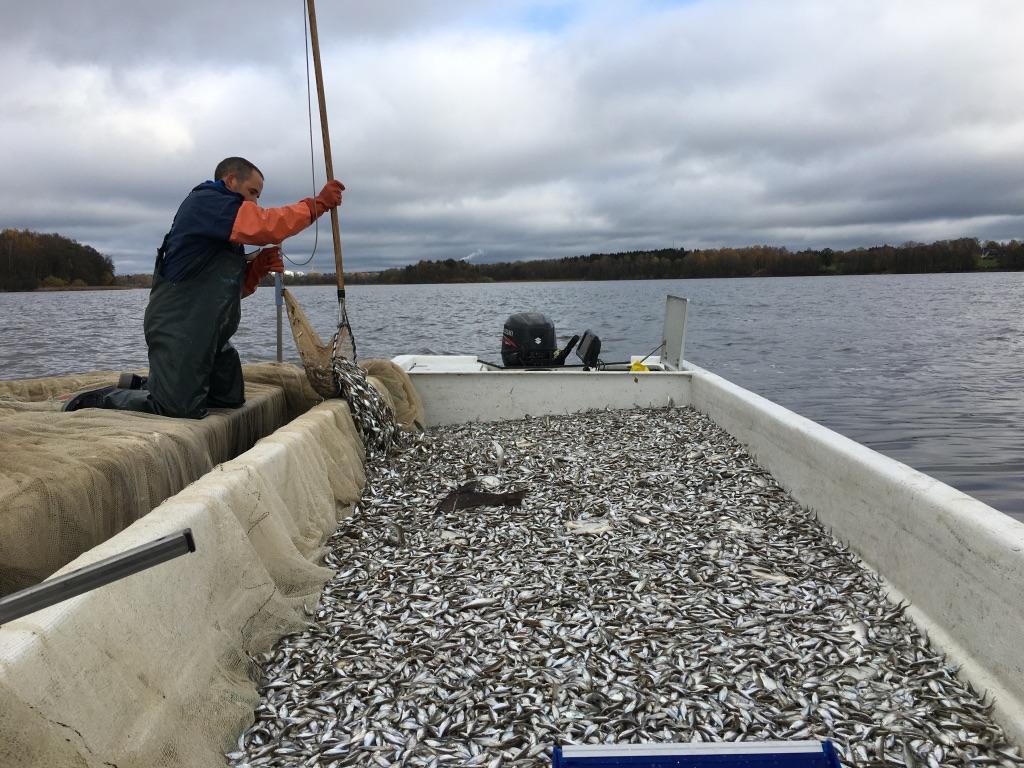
70 481
155 670
396 386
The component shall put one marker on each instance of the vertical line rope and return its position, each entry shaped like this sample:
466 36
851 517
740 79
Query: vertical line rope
312 150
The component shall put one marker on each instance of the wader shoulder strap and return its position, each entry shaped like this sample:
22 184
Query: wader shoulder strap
161 252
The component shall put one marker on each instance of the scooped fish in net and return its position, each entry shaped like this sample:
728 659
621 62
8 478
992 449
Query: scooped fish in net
373 416
332 372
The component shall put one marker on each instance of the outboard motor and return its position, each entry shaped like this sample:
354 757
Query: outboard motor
528 340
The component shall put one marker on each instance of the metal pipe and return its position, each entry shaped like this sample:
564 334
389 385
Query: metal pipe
96 575
279 302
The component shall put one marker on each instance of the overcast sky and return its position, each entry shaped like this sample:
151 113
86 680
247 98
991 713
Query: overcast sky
518 129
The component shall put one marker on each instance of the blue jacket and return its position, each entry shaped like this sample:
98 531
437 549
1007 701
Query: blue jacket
200 231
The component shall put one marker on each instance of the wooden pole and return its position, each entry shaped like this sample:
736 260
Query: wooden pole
327 145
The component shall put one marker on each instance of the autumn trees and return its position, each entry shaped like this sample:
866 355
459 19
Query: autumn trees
963 255
31 260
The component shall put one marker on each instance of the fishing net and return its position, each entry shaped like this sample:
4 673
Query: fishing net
156 670
72 480
69 481
332 372
392 381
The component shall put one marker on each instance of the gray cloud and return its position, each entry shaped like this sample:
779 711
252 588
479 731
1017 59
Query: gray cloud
465 127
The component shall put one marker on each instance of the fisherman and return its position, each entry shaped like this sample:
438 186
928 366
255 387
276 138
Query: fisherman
201 275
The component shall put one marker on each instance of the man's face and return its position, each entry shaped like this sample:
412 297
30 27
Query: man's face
249 188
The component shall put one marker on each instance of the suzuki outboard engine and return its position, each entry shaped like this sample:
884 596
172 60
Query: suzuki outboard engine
528 341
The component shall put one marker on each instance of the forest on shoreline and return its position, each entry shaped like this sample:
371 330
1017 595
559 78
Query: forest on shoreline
961 255
33 261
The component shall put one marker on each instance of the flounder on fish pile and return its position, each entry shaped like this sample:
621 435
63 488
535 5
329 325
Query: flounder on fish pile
653 585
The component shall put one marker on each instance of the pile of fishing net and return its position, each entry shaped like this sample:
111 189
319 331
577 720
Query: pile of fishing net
72 480
155 670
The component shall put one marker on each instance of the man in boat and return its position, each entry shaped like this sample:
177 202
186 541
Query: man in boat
201 275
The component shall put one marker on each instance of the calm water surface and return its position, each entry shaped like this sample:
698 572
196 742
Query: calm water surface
924 368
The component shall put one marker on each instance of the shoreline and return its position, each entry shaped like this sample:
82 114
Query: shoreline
533 280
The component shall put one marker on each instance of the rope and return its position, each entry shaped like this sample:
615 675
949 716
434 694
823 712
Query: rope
312 151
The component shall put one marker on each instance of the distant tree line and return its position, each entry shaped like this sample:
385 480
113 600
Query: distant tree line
143 280
1005 255
30 260
962 255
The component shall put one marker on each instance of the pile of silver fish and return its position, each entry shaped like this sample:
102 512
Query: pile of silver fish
654 585
373 417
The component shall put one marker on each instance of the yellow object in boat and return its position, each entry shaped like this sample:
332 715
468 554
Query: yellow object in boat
638 368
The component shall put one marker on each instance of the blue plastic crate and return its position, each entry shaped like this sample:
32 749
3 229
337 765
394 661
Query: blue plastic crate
732 754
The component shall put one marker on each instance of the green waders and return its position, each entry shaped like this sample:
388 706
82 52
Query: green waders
189 325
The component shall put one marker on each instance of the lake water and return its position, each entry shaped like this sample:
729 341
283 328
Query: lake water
924 368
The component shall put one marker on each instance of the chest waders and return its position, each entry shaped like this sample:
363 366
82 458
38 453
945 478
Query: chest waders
189 325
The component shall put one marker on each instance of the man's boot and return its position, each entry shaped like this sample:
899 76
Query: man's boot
89 398
132 381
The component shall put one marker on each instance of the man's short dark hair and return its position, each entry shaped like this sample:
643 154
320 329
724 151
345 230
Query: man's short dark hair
235 165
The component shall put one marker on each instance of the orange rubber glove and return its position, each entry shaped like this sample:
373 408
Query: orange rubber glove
329 197
267 260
